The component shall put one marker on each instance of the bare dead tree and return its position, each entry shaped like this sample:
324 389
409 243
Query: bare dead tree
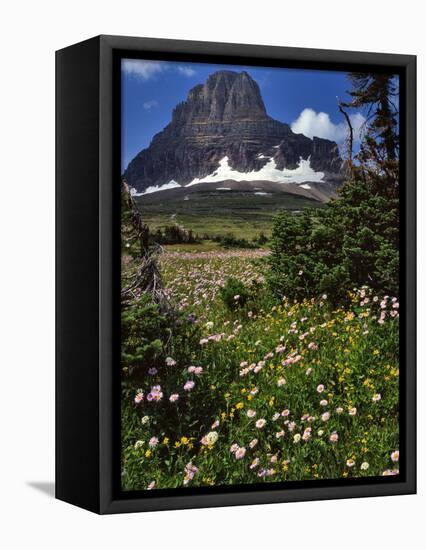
147 278
350 138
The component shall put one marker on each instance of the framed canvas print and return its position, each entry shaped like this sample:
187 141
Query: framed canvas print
235 274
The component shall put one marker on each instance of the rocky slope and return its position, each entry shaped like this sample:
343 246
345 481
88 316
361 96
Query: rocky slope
225 118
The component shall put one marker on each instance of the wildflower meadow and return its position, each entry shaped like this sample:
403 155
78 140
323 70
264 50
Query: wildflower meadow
258 390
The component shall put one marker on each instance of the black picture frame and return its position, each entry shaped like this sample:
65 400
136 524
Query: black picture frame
87 273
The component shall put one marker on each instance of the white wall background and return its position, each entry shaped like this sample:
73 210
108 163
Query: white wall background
30 33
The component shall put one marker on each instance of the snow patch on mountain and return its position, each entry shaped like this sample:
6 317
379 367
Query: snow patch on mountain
269 172
154 188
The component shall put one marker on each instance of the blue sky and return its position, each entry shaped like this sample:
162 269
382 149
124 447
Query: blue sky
305 99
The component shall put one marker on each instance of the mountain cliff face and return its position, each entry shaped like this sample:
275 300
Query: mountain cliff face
226 117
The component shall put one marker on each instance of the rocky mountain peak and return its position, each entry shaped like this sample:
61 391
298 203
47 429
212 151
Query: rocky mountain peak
226 96
225 117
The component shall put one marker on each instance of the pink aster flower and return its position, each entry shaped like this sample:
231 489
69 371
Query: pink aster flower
320 388
390 473
254 464
189 385
170 362
138 397
260 423
190 471
395 456
253 443
153 442
307 434
334 437
240 453
174 397
251 413
155 394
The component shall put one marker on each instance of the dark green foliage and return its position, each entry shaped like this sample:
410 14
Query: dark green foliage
230 241
143 334
261 239
175 234
232 289
352 242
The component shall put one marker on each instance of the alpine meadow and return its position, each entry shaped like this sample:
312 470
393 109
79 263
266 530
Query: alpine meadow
259 275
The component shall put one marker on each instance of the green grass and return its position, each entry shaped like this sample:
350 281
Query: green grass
218 214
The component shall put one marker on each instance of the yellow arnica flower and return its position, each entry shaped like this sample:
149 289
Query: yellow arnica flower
148 453
184 440
239 405
166 440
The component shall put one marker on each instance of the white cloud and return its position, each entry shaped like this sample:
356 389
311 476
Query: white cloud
186 71
148 105
142 69
311 123
145 70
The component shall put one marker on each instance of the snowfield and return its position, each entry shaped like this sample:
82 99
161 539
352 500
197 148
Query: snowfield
154 188
269 172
